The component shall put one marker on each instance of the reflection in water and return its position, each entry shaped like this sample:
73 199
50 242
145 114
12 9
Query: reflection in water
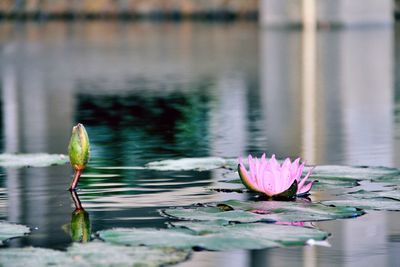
353 122
141 126
153 91
80 228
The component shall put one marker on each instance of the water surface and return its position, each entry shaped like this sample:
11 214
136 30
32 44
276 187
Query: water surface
152 91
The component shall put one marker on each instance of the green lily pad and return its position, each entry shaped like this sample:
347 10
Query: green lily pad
29 256
188 164
32 160
390 179
92 254
366 203
351 173
364 194
10 230
236 185
266 211
372 200
329 184
215 236
105 254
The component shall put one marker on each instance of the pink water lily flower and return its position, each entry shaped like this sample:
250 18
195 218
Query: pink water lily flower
269 177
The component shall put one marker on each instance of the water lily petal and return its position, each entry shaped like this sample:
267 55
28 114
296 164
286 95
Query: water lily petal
306 177
294 167
286 164
299 172
304 189
274 164
246 180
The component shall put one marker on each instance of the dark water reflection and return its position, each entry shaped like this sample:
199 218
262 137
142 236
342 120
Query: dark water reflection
149 91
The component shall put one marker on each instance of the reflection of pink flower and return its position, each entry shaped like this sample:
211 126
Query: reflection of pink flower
273 179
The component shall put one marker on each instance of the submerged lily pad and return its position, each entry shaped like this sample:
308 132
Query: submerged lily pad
92 254
267 211
32 160
10 230
215 236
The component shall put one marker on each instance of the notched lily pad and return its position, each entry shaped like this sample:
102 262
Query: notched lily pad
32 160
215 236
92 254
10 230
265 211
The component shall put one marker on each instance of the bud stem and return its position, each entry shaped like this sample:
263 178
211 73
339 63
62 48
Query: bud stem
75 180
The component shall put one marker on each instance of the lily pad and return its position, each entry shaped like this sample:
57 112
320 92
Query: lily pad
392 194
188 164
92 254
351 173
105 254
368 204
10 230
32 160
372 200
236 185
266 211
215 236
32 257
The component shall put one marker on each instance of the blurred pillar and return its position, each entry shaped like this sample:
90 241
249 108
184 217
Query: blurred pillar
280 83
328 12
309 61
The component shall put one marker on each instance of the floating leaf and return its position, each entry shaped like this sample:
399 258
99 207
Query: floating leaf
354 173
104 254
215 236
373 200
32 257
329 184
392 194
268 211
236 185
10 230
32 160
92 254
284 235
368 204
188 164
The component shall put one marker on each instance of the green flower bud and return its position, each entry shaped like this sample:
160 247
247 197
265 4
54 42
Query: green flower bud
79 148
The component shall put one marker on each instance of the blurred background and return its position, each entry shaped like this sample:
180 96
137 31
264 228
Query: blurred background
162 79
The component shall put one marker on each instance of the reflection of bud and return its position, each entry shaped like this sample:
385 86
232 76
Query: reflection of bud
78 151
80 223
80 226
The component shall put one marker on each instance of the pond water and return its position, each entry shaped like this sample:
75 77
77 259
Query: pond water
152 91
